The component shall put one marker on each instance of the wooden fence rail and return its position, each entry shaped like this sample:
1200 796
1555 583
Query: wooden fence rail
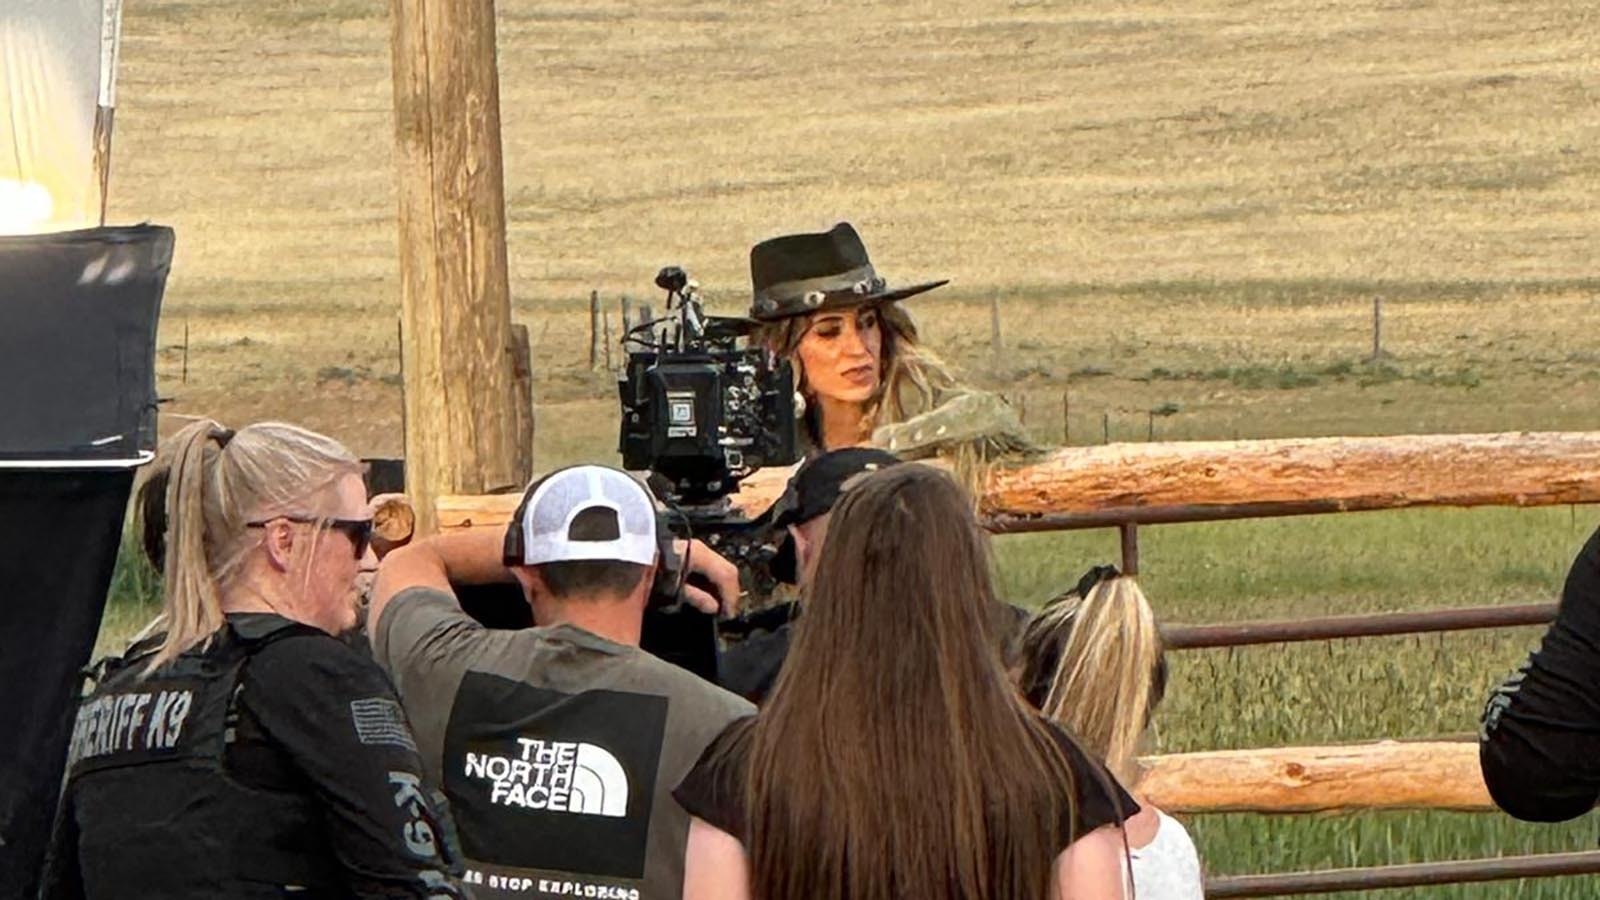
1194 481
1086 487
1343 778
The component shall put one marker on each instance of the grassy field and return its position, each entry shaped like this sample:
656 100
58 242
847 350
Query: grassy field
1185 210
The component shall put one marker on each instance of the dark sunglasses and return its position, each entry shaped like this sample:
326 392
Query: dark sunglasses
359 531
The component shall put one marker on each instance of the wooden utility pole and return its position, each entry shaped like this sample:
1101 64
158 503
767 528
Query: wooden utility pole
463 432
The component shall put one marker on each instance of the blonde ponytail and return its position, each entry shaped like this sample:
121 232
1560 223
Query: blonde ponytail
196 502
1109 673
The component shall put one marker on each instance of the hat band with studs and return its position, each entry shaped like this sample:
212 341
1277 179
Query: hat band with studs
862 280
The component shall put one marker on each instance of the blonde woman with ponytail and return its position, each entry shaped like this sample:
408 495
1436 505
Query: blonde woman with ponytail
243 750
1093 663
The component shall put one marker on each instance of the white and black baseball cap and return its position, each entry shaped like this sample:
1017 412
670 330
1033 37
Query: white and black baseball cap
614 515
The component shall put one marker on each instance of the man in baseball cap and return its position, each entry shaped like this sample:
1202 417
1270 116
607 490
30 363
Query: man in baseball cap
557 746
750 667
804 507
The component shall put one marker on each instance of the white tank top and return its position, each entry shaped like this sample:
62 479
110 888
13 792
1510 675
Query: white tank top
1167 868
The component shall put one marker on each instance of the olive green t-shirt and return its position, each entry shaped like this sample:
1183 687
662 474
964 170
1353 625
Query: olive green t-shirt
557 749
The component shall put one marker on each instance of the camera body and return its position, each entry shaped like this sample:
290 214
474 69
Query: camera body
703 419
698 411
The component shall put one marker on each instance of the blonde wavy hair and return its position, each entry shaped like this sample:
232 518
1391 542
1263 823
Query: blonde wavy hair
910 376
1096 665
196 502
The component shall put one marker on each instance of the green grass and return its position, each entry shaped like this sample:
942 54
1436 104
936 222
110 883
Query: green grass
134 598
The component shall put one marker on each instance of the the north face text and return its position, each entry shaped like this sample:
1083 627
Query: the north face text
561 776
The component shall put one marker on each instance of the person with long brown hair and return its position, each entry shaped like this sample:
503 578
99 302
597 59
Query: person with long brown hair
894 757
862 372
1093 662
242 750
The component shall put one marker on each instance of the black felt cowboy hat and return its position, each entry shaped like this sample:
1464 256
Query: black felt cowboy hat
797 274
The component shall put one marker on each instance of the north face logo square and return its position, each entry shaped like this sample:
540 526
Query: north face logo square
539 779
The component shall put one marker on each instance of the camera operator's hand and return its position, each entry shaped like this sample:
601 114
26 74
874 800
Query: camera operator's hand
710 566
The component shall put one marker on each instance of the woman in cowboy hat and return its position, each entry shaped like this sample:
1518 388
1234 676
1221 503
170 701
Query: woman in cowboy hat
861 370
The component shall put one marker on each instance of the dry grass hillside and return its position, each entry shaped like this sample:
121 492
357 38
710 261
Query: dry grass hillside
1206 188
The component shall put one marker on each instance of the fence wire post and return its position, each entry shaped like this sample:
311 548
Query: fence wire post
1377 328
996 348
594 330
1066 416
1130 547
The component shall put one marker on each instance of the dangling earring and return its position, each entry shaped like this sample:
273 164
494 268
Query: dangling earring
800 402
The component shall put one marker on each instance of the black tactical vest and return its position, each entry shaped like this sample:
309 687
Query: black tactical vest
157 812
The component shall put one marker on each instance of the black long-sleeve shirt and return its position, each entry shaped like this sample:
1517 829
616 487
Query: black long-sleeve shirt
1539 746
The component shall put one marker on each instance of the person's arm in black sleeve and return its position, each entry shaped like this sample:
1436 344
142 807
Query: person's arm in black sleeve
1098 799
1539 746
713 791
337 717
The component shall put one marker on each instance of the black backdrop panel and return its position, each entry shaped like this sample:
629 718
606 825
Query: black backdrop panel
58 545
77 342
78 315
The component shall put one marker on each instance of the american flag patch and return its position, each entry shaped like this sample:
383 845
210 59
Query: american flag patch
380 722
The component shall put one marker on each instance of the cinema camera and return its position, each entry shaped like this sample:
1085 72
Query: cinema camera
700 413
